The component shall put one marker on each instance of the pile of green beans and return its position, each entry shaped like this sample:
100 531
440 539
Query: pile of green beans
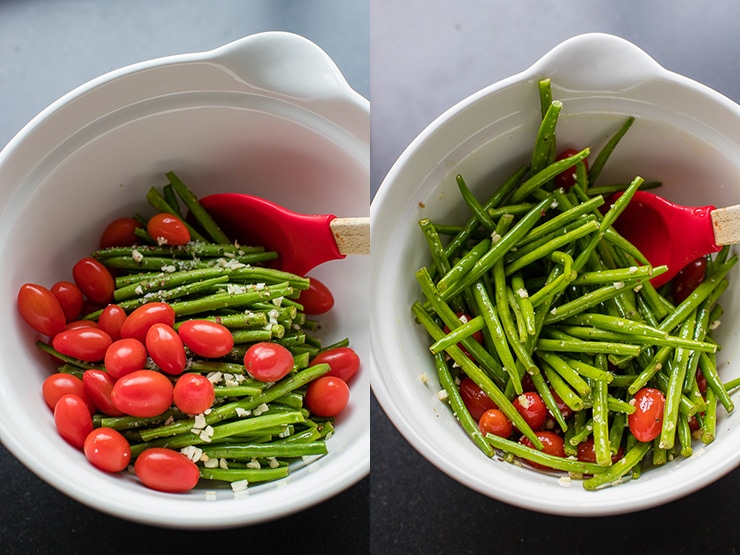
255 430
561 297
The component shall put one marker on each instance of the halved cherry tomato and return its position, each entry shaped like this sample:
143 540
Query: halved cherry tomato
120 233
70 298
60 384
98 386
586 452
88 344
647 420
567 178
166 349
268 362
107 449
73 419
143 393
125 356
344 362
168 229
688 279
94 280
166 470
40 309
193 393
327 396
495 422
144 317
317 299
205 338
532 408
111 319
476 400
552 444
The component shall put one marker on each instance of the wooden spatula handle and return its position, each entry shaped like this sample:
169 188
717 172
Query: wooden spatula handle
352 235
726 224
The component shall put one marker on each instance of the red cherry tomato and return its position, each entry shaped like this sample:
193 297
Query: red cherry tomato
70 298
193 393
317 299
476 400
166 349
268 362
111 319
88 344
647 420
125 356
120 233
76 324
688 279
205 338
73 419
327 396
565 410
567 178
168 229
532 409
344 362
58 385
107 449
586 452
40 309
166 470
137 323
98 386
143 393
552 444
495 422
94 280
701 381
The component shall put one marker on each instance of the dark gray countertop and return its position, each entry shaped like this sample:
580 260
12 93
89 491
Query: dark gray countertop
48 48
426 56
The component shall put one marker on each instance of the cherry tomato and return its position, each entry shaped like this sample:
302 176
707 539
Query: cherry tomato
168 229
586 452
111 320
647 420
552 444
344 362
166 470
73 419
532 409
88 344
137 323
125 356
268 362
98 386
476 400
327 396
40 309
567 178
205 338
701 381
495 422
107 449
70 298
166 349
94 280
58 385
317 299
77 324
688 279
120 233
193 393
565 410
143 393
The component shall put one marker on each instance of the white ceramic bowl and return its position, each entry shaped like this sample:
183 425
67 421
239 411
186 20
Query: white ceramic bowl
269 115
686 135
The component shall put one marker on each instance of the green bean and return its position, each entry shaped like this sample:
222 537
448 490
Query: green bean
475 207
197 210
552 461
544 143
542 177
675 387
607 150
618 469
436 248
251 475
464 265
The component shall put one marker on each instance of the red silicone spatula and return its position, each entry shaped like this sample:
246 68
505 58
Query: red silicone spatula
676 235
303 241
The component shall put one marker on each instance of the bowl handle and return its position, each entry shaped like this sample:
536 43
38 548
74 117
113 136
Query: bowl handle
597 62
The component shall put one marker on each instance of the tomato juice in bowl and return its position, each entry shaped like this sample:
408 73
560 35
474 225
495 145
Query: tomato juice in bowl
485 138
93 155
